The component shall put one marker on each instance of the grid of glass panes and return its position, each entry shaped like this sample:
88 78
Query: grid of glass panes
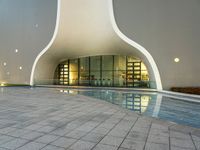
63 74
108 70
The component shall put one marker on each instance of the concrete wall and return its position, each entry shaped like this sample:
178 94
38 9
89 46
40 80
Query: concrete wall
167 29
26 25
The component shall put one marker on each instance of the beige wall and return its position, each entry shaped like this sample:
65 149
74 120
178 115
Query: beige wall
167 29
18 30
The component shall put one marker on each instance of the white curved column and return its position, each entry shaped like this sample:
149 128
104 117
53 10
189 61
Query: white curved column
87 28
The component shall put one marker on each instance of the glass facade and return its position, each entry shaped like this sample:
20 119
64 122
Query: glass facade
108 70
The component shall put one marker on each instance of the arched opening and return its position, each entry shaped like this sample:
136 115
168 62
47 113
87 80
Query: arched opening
103 70
89 40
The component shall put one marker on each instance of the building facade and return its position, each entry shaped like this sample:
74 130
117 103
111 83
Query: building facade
137 43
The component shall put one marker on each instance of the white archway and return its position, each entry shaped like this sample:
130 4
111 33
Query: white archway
86 28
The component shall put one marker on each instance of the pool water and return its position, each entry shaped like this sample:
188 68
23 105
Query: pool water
149 104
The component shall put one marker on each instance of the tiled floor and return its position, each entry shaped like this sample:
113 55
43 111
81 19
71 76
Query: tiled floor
42 118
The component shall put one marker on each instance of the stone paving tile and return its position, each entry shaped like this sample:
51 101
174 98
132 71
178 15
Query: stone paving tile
180 148
182 143
107 125
101 130
159 132
112 140
155 146
160 125
118 132
82 145
45 129
32 135
181 128
133 145
5 138
64 142
112 120
13 144
93 137
51 147
87 127
76 134
121 148
144 130
124 125
179 135
196 141
46 139
158 139
137 136
33 127
60 131
18 133
7 130
104 147
32 146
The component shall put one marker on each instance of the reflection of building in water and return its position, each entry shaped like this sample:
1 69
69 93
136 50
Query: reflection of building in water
137 102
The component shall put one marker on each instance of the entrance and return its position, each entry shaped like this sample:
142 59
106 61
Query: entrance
108 71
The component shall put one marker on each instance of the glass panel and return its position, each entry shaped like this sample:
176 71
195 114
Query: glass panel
144 73
107 78
131 59
73 78
120 78
84 71
95 79
120 63
73 65
107 63
84 78
73 72
95 63
84 64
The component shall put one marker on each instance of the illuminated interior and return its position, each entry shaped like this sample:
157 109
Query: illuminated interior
137 102
108 70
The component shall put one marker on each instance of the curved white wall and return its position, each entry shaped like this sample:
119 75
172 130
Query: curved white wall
86 28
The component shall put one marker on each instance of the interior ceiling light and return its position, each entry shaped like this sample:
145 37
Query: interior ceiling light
20 67
4 63
2 84
176 60
16 50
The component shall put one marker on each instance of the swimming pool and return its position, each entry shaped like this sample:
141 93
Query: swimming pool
149 103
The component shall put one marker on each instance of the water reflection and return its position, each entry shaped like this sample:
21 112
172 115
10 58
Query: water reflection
69 91
132 101
149 104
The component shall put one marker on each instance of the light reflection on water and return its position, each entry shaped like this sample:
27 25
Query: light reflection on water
149 104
